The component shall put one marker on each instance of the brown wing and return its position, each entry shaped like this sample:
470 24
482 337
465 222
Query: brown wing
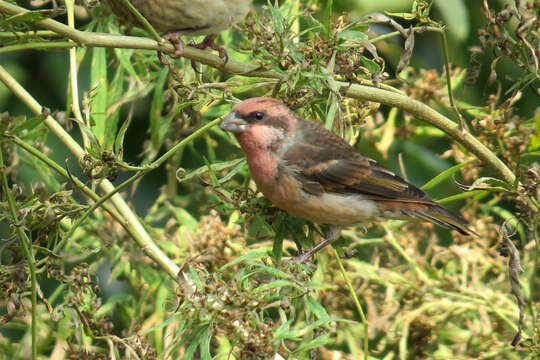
326 163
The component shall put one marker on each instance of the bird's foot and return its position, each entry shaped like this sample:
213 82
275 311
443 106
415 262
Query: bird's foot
301 258
208 42
175 37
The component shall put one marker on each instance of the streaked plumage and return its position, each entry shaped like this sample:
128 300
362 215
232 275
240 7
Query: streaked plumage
192 17
185 17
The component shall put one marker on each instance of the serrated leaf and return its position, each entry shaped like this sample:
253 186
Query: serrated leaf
27 17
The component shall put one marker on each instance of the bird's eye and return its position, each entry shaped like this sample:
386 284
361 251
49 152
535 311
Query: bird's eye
259 115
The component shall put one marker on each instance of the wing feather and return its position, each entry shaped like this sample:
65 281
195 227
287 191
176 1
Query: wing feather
338 168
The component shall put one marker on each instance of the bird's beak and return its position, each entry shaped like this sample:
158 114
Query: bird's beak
233 123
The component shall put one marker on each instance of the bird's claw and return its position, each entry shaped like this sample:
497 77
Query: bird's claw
208 42
175 38
302 258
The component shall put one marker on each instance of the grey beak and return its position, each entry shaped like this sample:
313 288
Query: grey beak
233 123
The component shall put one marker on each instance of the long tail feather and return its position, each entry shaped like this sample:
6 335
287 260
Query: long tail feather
440 216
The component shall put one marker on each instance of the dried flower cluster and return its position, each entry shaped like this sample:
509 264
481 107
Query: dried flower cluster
308 61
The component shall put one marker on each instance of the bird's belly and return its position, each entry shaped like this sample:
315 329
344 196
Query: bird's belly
336 209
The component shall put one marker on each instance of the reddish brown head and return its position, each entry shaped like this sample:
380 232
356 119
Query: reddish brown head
260 124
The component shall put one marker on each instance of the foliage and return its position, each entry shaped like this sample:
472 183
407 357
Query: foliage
131 228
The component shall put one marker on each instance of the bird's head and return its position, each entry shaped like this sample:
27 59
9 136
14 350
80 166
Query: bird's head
260 124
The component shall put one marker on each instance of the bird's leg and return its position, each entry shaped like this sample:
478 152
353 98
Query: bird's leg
208 42
332 235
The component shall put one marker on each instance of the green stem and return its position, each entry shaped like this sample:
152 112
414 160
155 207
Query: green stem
29 34
397 33
357 304
47 45
461 121
26 244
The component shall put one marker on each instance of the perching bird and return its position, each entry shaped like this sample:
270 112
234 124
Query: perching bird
186 17
312 173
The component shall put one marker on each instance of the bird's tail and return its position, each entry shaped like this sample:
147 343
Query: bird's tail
440 216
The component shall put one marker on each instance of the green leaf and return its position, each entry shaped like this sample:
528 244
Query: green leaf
119 141
124 58
156 109
98 86
30 123
213 177
185 218
352 35
27 17
276 284
328 17
401 15
535 140
317 309
205 344
465 195
111 126
371 65
259 228
238 260
446 174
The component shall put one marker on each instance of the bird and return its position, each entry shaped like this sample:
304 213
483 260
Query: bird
175 18
312 173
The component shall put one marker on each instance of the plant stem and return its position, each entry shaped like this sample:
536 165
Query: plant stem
357 303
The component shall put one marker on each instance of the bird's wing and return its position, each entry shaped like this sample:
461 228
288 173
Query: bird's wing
324 162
